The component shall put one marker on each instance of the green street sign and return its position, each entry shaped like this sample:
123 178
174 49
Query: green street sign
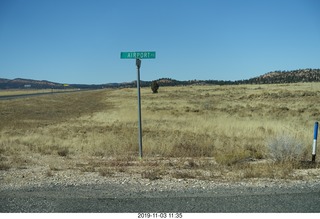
138 55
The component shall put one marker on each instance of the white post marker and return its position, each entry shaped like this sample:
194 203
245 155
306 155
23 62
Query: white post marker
314 145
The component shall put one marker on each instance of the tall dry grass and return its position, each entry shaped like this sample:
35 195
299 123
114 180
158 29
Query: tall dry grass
232 125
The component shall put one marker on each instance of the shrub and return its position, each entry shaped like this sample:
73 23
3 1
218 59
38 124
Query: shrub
285 148
154 87
105 171
153 174
4 166
63 152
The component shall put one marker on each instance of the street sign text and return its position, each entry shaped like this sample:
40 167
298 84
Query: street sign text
138 55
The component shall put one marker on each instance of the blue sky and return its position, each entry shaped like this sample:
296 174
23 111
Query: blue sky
79 41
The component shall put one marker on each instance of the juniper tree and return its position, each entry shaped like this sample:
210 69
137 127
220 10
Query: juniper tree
154 87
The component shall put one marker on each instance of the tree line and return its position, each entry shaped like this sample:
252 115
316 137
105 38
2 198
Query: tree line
274 77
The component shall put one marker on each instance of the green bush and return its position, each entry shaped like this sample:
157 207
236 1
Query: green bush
154 87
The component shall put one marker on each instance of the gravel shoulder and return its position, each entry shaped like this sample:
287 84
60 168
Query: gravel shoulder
51 186
72 191
163 196
38 176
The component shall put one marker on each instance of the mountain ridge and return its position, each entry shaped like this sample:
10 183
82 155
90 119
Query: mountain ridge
294 76
273 77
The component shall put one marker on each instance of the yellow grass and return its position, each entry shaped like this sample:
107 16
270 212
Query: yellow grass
216 131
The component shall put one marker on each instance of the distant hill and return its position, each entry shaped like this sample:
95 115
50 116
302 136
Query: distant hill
275 77
173 82
295 76
19 83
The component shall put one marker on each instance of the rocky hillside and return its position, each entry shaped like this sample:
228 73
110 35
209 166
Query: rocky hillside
277 77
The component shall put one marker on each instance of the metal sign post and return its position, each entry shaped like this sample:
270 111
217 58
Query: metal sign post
138 63
137 56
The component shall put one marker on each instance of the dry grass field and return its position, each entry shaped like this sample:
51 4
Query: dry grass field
202 132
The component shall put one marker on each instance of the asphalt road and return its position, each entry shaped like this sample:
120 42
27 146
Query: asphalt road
10 97
119 198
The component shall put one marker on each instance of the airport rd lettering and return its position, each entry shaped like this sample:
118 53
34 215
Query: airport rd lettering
138 55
